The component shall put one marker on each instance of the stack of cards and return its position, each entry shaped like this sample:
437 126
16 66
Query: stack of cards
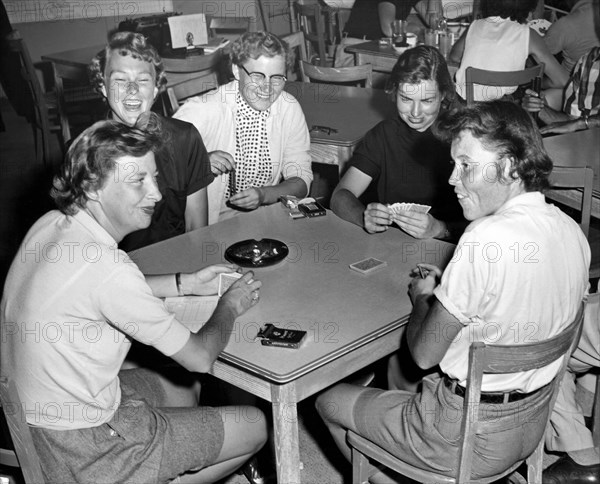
398 208
366 266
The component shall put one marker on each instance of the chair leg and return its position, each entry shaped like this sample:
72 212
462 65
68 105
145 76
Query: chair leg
360 466
596 414
535 464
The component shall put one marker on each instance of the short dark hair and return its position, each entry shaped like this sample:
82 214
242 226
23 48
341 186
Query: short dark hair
92 156
127 43
252 45
516 10
507 129
423 63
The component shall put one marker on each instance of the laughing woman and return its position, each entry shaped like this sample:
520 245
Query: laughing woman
256 134
402 158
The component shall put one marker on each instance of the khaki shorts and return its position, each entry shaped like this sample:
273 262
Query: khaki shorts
143 443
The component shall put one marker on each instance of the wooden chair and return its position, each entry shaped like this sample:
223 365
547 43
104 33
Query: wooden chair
499 78
191 76
312 24
229 27
564 180
24 454
48 114
338 75
296 43
483 359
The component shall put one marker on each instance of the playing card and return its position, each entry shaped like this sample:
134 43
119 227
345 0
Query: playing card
416 207
399 208
367 266
226 280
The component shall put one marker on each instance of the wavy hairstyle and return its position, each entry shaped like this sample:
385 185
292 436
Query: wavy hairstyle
423 63
127 43
91 158
507 129
252 45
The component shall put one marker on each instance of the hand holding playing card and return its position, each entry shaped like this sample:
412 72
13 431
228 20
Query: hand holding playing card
419 225
423 287
205 282
377 218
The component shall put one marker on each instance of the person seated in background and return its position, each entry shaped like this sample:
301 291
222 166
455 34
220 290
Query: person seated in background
369 23
256 134
129 74
502 41
402 157
91 422
579 102
573 35
500 171
568 432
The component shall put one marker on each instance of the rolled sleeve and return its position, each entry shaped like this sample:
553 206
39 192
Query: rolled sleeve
128 304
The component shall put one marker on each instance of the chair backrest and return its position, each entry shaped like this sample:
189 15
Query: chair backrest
499 78
229 27
495 359
24 448
482 359
312 24
338 75
31 87
568 177
296 43
190 77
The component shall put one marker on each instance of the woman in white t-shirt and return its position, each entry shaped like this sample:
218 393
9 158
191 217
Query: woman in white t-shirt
502 41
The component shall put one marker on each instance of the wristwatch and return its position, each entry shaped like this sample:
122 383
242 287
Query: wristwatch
585 116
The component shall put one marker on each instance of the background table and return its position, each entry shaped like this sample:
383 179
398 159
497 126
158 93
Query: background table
351 111
581 148
352 319
381 57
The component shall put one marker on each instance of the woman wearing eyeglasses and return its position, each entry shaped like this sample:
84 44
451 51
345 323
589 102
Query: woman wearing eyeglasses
400 160
257 139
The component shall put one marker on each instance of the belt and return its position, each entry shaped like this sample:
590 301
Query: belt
488 397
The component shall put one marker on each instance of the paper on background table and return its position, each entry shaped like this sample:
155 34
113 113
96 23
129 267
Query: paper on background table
181 25
192 311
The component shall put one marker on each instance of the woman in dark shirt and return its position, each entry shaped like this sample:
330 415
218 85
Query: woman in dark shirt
403 159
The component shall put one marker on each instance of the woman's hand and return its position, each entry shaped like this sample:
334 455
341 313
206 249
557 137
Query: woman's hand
423 287
377 218
205 282
249 199
221 162
242 294
419 225
533 102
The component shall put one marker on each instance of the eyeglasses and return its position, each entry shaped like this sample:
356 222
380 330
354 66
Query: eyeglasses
259 77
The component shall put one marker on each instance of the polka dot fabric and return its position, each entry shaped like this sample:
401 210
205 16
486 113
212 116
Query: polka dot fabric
252 157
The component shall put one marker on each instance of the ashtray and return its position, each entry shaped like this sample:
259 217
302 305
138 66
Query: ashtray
257 253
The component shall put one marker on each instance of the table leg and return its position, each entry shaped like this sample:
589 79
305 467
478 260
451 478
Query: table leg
285 430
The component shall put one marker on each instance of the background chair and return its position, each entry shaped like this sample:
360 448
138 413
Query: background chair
191 76
229 27
565 179
338 75
24 454
312 24
483 359
44 110
296 43
500 78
